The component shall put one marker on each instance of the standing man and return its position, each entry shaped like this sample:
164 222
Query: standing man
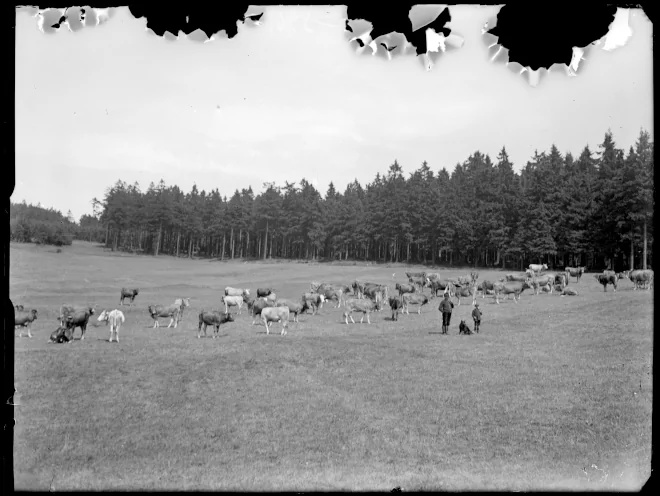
476 316
446 307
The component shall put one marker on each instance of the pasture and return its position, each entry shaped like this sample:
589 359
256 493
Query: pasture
553 394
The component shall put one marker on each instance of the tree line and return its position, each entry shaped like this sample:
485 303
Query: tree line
35 224
595 210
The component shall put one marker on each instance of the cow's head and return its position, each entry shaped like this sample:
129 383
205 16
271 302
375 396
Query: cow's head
136 291
33 312
103 316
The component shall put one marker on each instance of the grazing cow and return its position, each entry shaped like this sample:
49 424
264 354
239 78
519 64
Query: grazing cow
574 272
263 292
474 275
354 305
414 299
66 310
540 282
79 318
24 319
295 307
171 311
256 306
463 328
517 277
569 291
437 284
115 318
234 301
128 293
20 308
275 314
182 303
642 278
229 291
606 279
395 305
410 275
61 335
537 268
405 288
314 301
466 292
213 318
512 287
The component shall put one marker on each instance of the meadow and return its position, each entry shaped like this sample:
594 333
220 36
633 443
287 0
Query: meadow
554 393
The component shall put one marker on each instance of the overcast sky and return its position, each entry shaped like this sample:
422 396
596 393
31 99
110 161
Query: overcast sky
290 99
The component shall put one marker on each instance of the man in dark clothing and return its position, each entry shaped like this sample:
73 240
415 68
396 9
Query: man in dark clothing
476 316
446 307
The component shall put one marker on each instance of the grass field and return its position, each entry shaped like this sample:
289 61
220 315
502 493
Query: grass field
554 393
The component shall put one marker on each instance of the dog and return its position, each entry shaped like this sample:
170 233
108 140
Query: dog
61 335
463 328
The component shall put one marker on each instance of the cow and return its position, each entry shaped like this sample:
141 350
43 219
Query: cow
182 303
358 289
465 292
538 268
354 305
485 287
463 328
23 320
606 279
229 291
411 275
78 318
314 286
115 318
574 272
171 311
569 291
642 277
295 307
128 293
256 306
333 294
272 297
234 301
263 292
213 318
419 282
405 288
511 287
66 310
561 279
395 305
539 282
517 277
437 284
314 301
61 335
464 280
530 273
275 314
474 275
414 299
370 289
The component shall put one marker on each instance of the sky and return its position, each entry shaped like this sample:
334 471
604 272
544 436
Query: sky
291 99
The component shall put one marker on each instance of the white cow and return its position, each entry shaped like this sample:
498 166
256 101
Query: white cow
115 318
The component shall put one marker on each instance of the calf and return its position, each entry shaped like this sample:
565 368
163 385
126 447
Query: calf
234 301
171 311
229 291
395 305
463 328
314 301
23 320
115 318
295 307
466 292
263 292
574 272
485 287
514 288
354 305
212 318
128 293
606 279
61 335
414 299
79 318
275 314
569 291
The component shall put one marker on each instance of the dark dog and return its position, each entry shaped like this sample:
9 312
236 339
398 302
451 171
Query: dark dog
61 335
463 328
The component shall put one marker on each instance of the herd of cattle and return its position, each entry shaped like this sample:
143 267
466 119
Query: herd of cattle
366 297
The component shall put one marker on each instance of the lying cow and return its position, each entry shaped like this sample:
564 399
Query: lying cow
23 320
295 307
395 305
414 299
538 268
128 293
605 279
212 318
61 335
641 278
569 291
115 318
275 314
354 305
171 311
78 318
512 287
574 272
263 292
314 301
235 301
229 291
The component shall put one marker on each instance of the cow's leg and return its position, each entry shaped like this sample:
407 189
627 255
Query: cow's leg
83 328
351 316
368 320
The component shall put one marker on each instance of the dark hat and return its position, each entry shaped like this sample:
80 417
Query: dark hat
446 295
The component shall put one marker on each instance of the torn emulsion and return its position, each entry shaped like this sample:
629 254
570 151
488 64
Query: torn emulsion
616 35
425 32
74 18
